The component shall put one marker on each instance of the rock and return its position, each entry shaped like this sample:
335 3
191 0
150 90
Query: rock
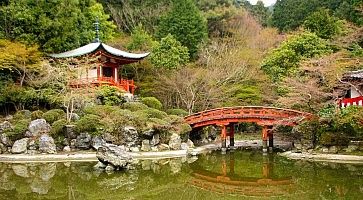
114 155
109 138
324 150
67 149
333 149
5 125
74 117
70 132
4 139
38 127
184 146
97 142
83 141
72 143
110 168
155 140
100 165
145 145
148 134
46 144
9 117
3 148
134 149
163 147
175 142
20 146
32 145
155 149
190 143
351 148
130 136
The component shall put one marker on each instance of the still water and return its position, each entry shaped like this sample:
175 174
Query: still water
237 175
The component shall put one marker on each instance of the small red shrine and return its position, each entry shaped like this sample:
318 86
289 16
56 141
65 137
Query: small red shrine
353 95
106 70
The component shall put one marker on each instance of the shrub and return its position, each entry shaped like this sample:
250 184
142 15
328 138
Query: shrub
18 130
58 127
134 106
90 124
54 115
37 114
152 102
110 95
101 110
153 113
334 139
122 118
22 114
178 112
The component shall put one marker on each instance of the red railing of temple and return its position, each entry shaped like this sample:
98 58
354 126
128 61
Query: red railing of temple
357 101
258 114
127 85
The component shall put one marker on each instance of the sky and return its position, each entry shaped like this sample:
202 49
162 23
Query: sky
266 2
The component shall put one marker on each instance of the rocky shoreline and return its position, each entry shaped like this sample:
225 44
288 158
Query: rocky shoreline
319 157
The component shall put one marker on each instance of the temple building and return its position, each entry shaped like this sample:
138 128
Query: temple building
353 92
105 70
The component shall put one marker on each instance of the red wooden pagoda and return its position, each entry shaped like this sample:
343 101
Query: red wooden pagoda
110 60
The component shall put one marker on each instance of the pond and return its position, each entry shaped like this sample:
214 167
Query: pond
236 175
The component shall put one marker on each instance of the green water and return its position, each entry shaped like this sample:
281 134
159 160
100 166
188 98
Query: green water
238 175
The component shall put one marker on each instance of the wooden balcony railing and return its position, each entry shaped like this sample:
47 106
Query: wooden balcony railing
124 84
357 101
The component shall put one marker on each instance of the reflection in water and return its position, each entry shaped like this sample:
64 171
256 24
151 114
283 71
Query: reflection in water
227 181
238 175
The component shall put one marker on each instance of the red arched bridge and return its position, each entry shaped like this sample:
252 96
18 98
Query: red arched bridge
266 117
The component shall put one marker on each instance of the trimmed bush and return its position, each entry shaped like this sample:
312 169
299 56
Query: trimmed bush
153 113
101 110
22 114
37 114
58 127
110 95
152 102
54 115
178 112
134 106
18 130
90 124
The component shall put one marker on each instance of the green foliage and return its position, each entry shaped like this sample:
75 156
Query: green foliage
185 23
54 115
55 25
58 128
140 39
178 112
90 124
19 129
334 139
323 24
110 95
261 13
134 106
100 110
38 114
22 114
169 53
356 50
153 113
285 59
152 102
247 94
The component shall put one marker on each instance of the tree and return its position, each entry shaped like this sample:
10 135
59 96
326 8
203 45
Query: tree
55 26
169 53
17 57
186 24
261 13
323 24
140 39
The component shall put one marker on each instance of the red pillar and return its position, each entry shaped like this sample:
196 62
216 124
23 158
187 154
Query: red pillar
231 135
264 138
223 136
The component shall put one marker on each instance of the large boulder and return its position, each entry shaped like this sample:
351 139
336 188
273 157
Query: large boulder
4 139
130 136
155 140
20 146
46 144
83 141
117 156
175 142
97 142
38 127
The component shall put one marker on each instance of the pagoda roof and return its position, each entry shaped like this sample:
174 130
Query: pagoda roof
98 46
353 75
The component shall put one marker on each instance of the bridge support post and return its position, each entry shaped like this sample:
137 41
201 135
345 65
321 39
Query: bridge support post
223 138
264 139
231 135
270 141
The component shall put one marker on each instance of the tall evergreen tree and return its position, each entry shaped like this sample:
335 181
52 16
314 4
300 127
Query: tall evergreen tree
186 23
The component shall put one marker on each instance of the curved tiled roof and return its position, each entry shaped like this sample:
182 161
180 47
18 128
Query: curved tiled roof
93 47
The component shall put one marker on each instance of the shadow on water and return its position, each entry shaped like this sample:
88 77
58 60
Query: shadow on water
235 175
